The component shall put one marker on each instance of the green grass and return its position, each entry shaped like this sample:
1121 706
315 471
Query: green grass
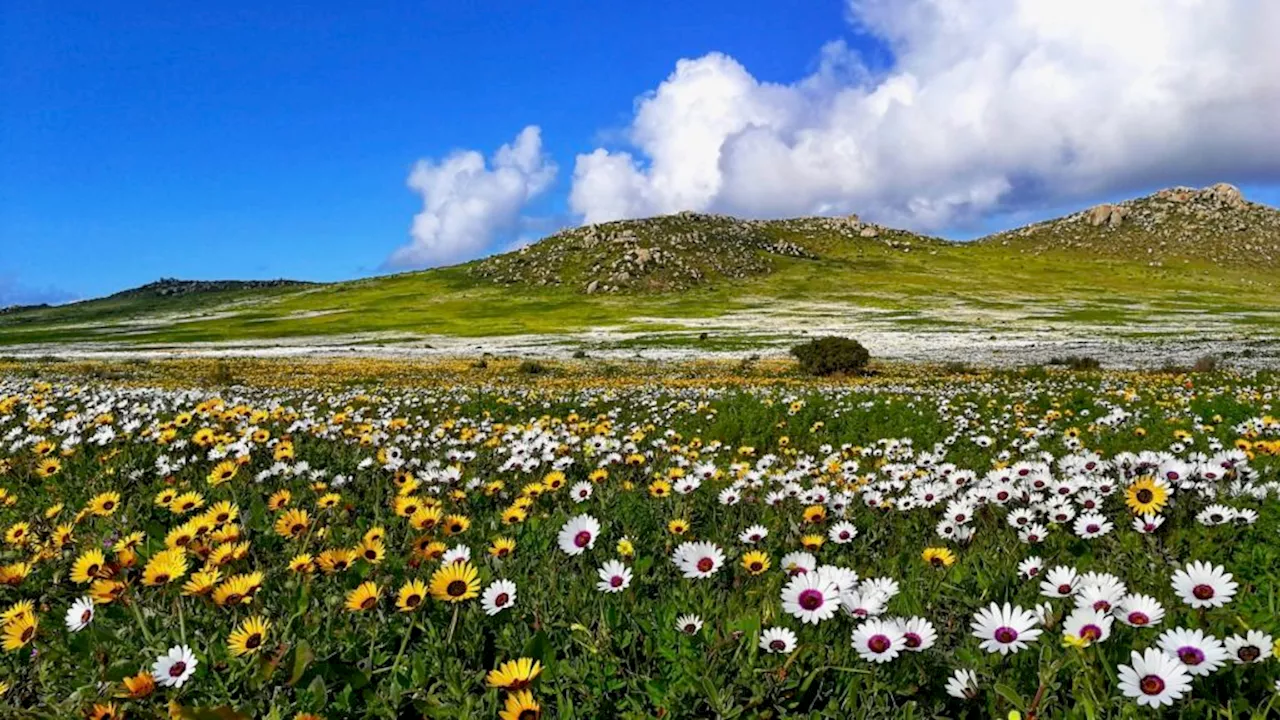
935 285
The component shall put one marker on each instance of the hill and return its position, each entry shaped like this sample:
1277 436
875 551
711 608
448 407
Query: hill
673 253
1175 266
1215 224
172 287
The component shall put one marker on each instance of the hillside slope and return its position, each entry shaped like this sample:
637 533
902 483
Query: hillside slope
1151 266
1214 224
673 253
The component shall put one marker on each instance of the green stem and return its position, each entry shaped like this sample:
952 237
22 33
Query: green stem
182 624
373 638
137 614
452 624
404 643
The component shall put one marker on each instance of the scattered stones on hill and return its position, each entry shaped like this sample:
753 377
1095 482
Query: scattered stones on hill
673 252
172 287
1213 224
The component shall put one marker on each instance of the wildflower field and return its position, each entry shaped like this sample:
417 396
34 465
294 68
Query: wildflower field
360 539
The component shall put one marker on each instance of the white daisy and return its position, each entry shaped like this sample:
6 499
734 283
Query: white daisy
1153 678
1254 646
581 492
1201 654
863 603
886 586
456 554
578 534
777 640
80 614
918 633
1147 524
1088 624
1139 611
1092 525
811 597
614 577
963 684
1004 629
842 532
174 667
698 560
799 562
689 624
500 595
1030 568
1202 585
754 534
1060 582
878 641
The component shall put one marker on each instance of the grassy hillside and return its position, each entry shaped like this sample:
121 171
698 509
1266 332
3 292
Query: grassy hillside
1161 265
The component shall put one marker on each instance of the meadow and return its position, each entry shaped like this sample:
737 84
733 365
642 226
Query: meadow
487 538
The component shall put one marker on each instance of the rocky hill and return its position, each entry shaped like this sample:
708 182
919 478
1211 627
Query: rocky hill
1215 224
677 252
172 287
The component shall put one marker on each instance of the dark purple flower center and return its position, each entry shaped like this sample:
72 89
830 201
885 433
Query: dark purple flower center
1091 632
913 640
879 643
1138 618
1203 592
1248 653
705 564
811 599
777 645
1152 684
1190 656
1006 635
176 669
582 539
615 581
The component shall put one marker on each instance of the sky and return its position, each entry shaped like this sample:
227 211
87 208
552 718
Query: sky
328 140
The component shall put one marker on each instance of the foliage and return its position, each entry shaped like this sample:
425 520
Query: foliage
831 355
349 439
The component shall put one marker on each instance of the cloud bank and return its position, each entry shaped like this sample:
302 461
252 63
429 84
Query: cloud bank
468 203
989 106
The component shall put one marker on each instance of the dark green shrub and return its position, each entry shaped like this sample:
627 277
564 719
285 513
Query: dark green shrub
831 355
1077 362
531 367
1206 364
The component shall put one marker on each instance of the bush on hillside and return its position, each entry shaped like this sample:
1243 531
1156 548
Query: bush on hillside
831 355
1206 364
1077 362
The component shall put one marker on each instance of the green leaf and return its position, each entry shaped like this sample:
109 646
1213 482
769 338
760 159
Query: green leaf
538 647
318 692
302 657
1011 695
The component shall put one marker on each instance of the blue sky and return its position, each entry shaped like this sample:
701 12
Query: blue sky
257 140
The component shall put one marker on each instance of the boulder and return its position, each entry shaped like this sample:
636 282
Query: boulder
1223 195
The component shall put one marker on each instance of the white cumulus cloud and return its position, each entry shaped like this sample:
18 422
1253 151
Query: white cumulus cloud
988 106
468 203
